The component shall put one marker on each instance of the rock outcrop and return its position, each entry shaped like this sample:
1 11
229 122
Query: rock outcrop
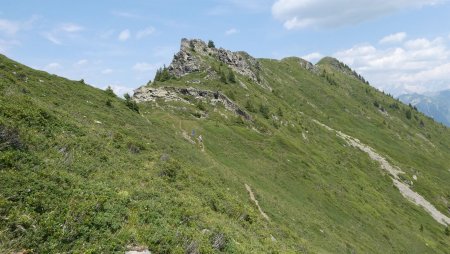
304 64
144 93
192 54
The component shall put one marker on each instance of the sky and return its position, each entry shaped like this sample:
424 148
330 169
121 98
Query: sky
399 46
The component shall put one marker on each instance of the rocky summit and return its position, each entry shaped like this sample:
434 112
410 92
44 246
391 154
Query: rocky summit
189 59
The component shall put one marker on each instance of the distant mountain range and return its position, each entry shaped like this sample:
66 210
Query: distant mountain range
435 105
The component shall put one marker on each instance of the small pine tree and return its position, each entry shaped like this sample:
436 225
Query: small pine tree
211 44
231 76
158 75
109 91
165 75
130 103
447 231
162 74
408 114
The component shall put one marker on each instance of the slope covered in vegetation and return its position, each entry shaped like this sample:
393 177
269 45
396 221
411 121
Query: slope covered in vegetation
84 171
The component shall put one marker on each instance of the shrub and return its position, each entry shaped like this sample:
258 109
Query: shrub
239 120
162 74
135 148
280 112
130 103
231 95
109 91
250 106
408 114
169 169
9 139
201 106
211 44
422 124
231 76
264 110
394 106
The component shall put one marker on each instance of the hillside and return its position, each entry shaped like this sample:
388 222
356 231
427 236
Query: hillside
222 153
435 105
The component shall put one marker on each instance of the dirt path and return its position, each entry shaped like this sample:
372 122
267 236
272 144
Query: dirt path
393 171
252 197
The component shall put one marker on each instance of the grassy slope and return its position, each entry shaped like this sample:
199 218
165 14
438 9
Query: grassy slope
133 179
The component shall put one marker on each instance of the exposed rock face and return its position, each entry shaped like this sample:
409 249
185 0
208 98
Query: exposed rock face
176 94
308 66
151 94
189 59
304 64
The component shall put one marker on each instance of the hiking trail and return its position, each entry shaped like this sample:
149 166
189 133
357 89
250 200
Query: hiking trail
252 197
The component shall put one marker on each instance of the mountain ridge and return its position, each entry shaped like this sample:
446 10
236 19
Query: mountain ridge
169 172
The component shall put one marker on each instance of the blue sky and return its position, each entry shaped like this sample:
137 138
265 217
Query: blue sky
398 45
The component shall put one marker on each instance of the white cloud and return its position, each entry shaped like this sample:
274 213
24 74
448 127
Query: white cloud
66 30
393 38
325 13
145 32
231 31
70 28
81 62
313 57
107 71
417 65
145 67
124 35
5 45
9 27
52 38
